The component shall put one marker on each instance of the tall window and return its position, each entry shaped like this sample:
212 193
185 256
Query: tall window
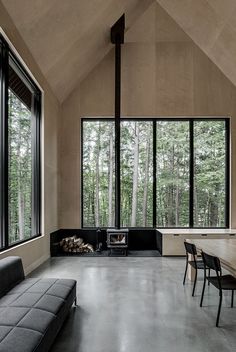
20 151
209 173
173 172
172 155
136 173
98 173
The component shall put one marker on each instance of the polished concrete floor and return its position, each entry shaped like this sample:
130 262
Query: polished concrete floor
139 305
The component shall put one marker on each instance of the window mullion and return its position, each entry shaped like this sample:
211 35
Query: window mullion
191 173
227 172
154 174
36 172
4 144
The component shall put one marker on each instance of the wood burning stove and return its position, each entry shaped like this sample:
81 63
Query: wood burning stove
117 241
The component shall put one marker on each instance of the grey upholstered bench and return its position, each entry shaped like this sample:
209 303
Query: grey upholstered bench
31 310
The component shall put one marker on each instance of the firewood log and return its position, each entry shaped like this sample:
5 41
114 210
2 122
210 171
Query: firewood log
78 241
62 242
73 244
90 247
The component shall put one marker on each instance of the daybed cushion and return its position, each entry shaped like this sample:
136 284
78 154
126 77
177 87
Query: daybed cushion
32 309
11 273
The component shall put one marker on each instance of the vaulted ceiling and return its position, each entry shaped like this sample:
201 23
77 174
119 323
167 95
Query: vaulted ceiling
68 38
211 24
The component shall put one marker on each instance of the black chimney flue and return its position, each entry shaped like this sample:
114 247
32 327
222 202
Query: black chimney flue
117 38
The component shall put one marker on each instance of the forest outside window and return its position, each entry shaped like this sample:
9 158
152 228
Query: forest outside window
210 173
136 174
98 173
20 151
173 172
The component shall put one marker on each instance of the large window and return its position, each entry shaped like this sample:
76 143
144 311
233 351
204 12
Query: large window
173 172
20 102
209 173
98 173
136 173
172 176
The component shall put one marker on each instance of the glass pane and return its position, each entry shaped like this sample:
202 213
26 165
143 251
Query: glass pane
209 173
172 173
20 169
136 173
98 173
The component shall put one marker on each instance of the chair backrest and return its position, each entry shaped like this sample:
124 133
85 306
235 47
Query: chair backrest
190 248
212 262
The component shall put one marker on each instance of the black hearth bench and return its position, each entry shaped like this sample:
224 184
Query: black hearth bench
139 239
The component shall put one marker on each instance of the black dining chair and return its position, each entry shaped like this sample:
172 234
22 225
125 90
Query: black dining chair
195 263
221 282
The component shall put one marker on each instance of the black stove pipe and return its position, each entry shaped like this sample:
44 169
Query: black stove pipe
117 38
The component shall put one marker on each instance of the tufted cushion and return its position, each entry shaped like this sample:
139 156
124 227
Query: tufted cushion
29 309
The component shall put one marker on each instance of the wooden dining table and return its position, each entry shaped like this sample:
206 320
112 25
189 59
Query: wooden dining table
224 249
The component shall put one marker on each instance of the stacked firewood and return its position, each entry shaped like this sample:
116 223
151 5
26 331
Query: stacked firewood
75 245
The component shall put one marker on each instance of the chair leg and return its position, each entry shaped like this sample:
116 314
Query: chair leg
209 274
186 268
219 309
203 288
75 301
195 280
232 299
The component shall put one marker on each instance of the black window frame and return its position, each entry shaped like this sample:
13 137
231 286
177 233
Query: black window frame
191 121
6 56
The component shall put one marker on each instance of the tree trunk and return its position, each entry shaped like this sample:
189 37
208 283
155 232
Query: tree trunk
97 156
177 197
110 187
214 208
135 176
196 208
19 182
93 206
171 217
145 191
21 208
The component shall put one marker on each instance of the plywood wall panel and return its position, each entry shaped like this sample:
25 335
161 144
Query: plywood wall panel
97 90
174 79
138 76
213 92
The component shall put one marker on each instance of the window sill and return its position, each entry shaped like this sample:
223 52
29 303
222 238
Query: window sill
23 243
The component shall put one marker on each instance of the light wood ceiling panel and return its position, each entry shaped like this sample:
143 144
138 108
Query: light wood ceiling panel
68 38
211 25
